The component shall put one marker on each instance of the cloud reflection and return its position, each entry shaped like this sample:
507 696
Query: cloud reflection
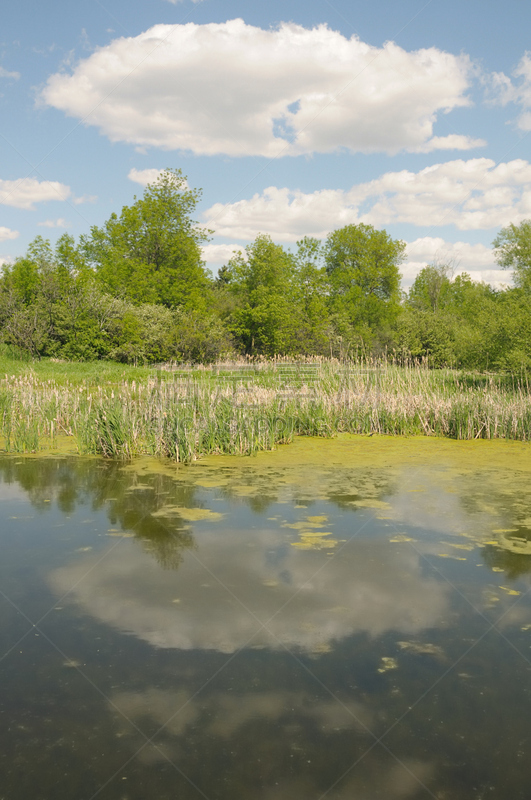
237 591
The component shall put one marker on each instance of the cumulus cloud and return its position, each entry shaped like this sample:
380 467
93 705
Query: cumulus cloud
476 259
220 253
7 233
25 192
472 195
285 214
144 176
239 90
54 223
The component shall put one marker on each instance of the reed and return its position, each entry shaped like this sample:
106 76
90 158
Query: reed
244 407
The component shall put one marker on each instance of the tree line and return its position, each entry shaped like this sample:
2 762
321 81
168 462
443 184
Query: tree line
136 290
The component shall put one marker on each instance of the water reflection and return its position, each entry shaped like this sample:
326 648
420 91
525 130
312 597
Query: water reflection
293 629
129 503
261 592
274 741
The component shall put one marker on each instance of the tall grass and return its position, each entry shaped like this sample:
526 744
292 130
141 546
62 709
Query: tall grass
246 407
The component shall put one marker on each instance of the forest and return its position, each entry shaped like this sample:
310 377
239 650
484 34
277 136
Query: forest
136 291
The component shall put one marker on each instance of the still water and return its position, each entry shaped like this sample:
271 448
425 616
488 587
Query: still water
346 619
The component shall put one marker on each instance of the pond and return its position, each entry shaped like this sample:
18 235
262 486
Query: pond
345 619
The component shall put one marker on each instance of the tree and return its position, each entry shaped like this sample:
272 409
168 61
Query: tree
430 288
266 316
152 251
512 247
362 265
314 328
424 334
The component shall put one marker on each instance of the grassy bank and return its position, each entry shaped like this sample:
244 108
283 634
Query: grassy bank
243 408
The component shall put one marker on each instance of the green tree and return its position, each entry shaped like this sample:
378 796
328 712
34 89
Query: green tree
425 335
266 316
198 337
362 266
512 247
314 328
24 276
152 251
431 287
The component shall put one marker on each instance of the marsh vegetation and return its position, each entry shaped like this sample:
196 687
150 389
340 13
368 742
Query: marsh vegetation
241 408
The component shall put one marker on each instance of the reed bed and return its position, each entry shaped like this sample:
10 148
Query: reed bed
243 408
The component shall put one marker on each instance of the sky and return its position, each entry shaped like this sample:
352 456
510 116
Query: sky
293 118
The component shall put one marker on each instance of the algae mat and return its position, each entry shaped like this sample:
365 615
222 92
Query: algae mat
344 618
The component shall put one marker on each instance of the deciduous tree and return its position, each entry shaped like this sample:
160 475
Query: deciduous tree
152 251
363 269
512 247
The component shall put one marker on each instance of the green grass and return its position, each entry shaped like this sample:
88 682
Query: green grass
89 372
121 412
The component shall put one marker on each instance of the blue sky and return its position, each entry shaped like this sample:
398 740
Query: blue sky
294 119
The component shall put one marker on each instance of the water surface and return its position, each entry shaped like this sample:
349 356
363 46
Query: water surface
347 619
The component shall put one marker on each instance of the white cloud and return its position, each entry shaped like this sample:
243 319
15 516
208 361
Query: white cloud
25 192
7 233
54 223
523 72
236 89
284 214
452 142
474 194
503 90
476 259
218 254
144 176
86 198
4 73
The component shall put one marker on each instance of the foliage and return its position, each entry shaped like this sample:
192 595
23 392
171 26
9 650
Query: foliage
136 291
314 329
152 251
431 287
513 251
198 338
262 282
362 266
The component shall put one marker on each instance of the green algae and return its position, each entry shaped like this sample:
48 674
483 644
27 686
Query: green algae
188 514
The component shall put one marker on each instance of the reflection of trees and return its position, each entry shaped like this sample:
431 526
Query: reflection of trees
128 501
130 498
67 481
511 561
